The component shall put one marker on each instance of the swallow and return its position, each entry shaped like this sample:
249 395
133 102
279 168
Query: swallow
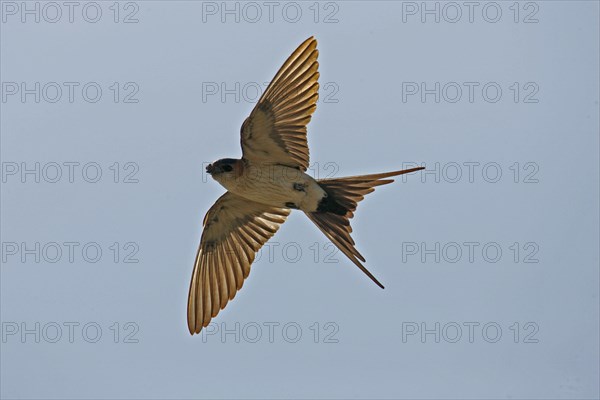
266 184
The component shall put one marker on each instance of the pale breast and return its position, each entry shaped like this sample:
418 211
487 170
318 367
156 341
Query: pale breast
279 186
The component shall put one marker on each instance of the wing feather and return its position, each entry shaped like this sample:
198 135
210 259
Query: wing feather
234 230
275 131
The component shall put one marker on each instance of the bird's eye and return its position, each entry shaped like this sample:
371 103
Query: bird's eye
227 168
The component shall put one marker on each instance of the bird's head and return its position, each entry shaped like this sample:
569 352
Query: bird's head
224 169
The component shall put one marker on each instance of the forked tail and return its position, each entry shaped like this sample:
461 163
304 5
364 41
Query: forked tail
334 212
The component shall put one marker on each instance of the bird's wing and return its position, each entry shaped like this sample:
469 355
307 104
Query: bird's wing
234 230
275 131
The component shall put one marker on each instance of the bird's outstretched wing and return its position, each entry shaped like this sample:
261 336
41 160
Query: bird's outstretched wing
234 230
275 131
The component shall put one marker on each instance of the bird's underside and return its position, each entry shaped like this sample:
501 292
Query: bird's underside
266 184
276 185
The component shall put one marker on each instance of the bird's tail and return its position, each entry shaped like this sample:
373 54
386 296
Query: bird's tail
335 211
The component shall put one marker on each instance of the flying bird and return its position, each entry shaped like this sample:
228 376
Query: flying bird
267 183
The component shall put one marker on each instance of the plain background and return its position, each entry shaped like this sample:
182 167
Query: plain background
362 125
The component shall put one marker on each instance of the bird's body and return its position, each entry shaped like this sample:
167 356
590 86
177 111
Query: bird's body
266 184
275 185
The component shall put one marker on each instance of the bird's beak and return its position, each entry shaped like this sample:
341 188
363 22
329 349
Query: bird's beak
210 168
